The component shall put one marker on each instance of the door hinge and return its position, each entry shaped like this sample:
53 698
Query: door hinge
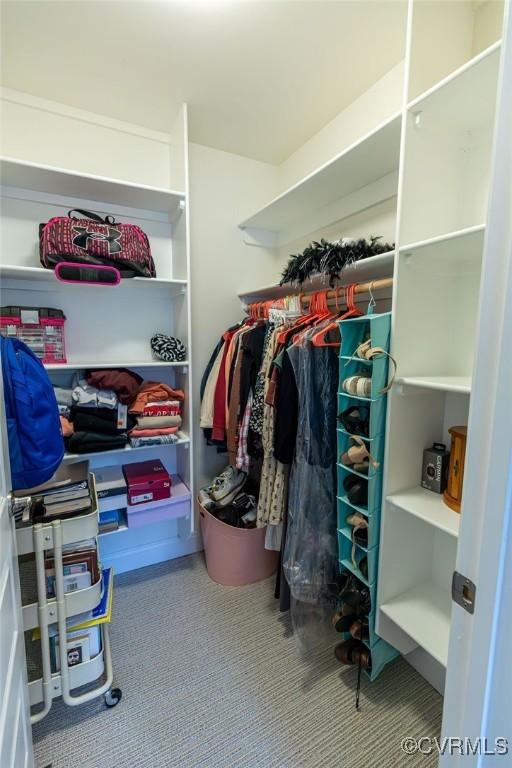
463 592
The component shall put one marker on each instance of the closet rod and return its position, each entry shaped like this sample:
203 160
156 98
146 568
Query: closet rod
369 287
372 286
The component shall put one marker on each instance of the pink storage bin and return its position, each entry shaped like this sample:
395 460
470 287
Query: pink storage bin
40 328
235 556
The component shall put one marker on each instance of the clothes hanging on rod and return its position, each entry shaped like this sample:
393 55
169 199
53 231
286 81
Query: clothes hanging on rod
269 398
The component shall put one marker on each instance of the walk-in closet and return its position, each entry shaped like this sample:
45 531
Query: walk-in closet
255 292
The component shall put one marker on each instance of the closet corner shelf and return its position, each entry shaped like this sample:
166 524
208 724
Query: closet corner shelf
367 160
427 506
424 614
457 384
183 439
374 267
94 364
86 186
39 274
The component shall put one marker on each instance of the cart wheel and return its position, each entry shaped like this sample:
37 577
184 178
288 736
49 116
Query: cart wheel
113 697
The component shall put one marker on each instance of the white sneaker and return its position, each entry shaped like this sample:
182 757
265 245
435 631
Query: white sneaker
227 483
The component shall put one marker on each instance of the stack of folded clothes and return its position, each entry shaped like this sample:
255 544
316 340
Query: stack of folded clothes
99 419
65 401
157 410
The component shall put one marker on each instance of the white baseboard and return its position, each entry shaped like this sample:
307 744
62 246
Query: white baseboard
130 559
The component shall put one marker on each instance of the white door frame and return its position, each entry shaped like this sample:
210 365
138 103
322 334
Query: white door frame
479 672
15 730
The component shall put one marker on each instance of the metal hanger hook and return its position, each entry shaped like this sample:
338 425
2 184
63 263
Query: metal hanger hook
373 303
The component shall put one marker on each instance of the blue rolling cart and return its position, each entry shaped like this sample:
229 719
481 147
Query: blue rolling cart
353 331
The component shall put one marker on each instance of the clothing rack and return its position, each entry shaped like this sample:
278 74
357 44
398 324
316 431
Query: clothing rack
331 295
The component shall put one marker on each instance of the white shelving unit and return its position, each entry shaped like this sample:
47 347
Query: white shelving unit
82 364
440 144
362 175
460 384
442 208
424 613
426 506
62 182
111 326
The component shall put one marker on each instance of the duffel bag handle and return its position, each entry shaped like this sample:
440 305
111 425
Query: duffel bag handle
92 215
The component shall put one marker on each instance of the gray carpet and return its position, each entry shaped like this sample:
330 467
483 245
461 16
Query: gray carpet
211 677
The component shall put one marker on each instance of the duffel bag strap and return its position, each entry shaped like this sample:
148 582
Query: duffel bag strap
92 215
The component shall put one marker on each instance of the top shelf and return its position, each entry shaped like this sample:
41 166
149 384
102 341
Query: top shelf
366 161
58 181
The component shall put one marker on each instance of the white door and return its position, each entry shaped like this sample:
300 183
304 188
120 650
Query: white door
479 673
15 731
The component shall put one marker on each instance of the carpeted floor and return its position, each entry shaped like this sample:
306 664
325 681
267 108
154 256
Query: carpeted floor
211 677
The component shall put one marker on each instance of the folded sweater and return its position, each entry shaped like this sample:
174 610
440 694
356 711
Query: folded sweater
123 382
153 391
158 422
136 432
139 442
164 408
93 442
104 420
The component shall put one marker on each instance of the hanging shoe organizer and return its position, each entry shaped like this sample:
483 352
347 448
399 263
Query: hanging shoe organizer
353 332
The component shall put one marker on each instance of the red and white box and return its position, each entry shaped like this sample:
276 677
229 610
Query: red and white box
147 481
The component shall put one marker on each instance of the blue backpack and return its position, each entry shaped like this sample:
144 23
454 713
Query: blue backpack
36 446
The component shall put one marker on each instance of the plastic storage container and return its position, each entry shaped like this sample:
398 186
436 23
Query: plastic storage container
40 328
235 556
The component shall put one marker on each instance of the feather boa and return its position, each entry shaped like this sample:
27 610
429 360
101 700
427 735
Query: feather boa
330 258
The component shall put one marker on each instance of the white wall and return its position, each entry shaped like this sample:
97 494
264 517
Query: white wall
224 189
373 107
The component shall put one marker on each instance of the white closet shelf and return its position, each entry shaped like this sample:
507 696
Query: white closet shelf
367 160
116 530
180 492
427 506
60 181
458 384
40 274
374 267
466 97
183 439
424 614
463 245
79 365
